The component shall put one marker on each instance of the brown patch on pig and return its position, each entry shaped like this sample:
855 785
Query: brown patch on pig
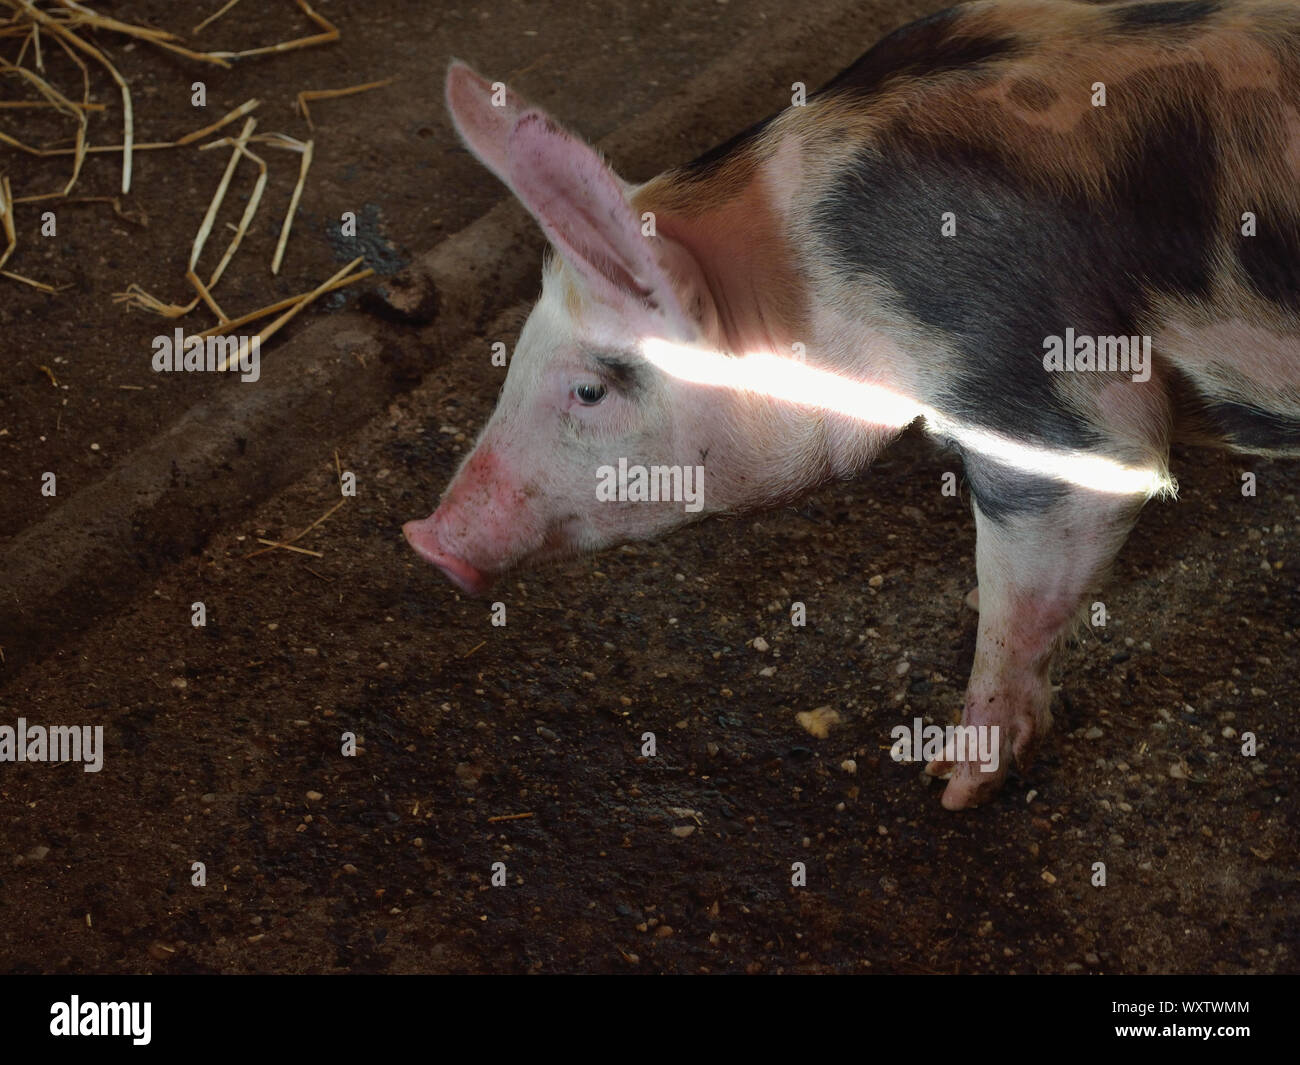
739 235
702 187
1031 94
1044 119
1240 59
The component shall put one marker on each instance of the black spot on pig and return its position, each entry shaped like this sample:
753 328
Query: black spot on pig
1027 261
995 290
932 45
1252 428
1163 15
1271 259
1002 492
1165 190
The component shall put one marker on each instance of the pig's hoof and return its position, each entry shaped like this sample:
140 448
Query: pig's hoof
968 786
970 783
939 768
972 599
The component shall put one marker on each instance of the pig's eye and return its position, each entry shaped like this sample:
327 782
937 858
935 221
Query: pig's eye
589 395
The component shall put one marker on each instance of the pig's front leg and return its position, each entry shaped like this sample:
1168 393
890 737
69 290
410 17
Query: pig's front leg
1044 549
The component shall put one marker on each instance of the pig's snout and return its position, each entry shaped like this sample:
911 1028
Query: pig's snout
477 520
423 536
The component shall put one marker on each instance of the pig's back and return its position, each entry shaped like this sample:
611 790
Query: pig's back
1122 220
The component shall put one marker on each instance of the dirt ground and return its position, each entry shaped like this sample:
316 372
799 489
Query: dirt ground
224 742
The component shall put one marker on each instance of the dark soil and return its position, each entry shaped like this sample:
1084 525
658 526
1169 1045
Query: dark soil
225 742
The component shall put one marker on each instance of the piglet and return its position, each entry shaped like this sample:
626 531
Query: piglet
1061 236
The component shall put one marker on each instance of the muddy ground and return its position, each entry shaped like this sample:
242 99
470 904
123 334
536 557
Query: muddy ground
223 743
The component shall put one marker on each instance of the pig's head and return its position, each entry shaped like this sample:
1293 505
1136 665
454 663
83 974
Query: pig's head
578 396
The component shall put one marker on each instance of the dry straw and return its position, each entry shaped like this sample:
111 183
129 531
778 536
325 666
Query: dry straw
306 148
288 545
334 94
11 237
329 35
65 22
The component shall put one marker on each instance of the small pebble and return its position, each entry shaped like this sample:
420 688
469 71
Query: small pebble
818 722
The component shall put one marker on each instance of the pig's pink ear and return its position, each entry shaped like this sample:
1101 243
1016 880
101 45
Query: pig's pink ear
581 206
483 116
